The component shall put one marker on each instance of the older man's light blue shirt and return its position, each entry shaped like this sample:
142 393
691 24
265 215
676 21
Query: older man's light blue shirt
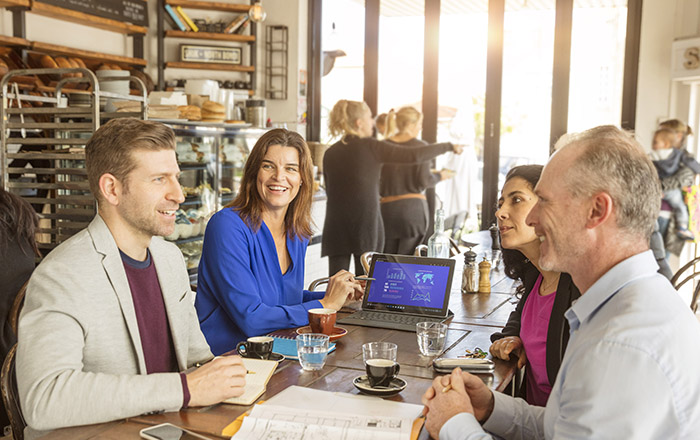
631 369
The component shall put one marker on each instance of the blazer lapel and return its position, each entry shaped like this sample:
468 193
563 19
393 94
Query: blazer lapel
113 266
173 294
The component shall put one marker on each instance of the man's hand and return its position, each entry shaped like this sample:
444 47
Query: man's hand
481 396
503 348
216 381
441 406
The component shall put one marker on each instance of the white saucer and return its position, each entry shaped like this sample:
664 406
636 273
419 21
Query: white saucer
396 386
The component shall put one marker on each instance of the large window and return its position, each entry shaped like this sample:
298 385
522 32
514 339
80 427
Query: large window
461 97
343 49
400 58
597 63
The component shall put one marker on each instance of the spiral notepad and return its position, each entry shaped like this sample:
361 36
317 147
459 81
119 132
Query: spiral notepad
286 344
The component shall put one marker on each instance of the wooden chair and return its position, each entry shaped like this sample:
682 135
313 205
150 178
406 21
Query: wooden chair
685 274
10 396
366 260
315 283
13 316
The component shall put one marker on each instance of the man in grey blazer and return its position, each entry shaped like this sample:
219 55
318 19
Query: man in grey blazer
108 321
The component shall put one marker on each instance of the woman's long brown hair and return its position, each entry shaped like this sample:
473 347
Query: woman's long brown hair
18 221
248 202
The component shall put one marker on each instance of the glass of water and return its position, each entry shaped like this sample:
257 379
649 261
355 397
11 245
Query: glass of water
312 349
431 337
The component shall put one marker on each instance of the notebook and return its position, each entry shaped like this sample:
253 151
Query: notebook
286 345
406 290
259 373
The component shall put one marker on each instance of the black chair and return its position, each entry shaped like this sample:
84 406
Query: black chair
685 274
10 396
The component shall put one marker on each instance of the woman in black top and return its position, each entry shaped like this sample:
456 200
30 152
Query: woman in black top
18 251
521 250
352 168
403 203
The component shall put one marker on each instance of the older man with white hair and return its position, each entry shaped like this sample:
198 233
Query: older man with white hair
631 367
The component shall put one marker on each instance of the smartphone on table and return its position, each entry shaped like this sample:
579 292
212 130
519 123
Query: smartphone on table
168 431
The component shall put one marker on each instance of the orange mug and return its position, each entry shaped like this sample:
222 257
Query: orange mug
322 321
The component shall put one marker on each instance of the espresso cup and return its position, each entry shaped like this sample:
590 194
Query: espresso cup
322 321
380 372
257 347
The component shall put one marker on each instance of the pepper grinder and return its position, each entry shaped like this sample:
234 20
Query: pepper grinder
470 275
484 276
495 245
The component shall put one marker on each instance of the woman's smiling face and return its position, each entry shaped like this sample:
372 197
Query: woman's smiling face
516 201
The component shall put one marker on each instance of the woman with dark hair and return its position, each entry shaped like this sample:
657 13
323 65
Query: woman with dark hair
18 252
536 331
251 273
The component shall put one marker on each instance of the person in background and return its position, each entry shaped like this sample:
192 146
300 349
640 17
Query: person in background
536 332
681 131
668 161
352 169
380 124
403 203
251 273
108 325
633 344
18 252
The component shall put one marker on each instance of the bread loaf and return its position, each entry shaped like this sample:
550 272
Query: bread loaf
48 62
3 68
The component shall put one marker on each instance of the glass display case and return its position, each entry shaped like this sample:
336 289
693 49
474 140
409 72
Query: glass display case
211 159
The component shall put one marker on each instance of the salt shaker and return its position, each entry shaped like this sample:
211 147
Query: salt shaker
484 276
470 275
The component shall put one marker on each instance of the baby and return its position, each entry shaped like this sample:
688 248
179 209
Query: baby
668 161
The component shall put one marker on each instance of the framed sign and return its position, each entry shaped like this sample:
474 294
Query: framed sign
210 54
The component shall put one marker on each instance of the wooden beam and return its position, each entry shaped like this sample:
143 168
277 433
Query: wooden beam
210 6
561 67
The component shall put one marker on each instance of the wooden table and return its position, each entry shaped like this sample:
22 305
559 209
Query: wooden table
477 316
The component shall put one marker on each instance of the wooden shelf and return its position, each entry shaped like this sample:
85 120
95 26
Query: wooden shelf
209 6
8 41
209 66
11 3
54 49
211 36
84 19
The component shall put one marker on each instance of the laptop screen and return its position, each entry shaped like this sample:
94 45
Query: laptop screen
414 285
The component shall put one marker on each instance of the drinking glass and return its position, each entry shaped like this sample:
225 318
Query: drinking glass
312 349
431 337
379 350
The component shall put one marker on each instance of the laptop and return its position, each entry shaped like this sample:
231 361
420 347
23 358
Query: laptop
406 290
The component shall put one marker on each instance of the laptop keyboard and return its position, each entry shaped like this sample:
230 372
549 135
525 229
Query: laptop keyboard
394 321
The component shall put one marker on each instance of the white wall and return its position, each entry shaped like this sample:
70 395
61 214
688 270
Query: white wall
663 21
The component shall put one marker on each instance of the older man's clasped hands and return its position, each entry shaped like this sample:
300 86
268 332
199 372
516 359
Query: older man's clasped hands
456 393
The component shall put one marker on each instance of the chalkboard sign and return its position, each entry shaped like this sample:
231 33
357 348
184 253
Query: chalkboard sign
130 11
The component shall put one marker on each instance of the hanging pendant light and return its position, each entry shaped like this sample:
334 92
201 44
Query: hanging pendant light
256 13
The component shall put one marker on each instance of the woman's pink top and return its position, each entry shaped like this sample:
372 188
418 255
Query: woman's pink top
534 324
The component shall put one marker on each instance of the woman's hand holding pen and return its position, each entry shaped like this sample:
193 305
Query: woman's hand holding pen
457 148
342 288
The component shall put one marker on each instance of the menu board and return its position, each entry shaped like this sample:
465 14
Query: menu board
131 11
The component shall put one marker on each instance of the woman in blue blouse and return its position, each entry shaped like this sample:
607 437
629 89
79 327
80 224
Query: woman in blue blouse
251 273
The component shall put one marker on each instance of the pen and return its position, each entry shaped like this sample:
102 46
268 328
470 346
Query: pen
250 372
447 388
365 279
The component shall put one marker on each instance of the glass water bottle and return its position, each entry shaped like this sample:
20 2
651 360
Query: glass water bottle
438 243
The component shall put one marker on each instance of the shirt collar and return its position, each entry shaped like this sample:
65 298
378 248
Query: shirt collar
635 267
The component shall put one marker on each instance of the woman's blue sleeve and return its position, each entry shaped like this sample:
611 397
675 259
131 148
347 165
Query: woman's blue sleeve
227 267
